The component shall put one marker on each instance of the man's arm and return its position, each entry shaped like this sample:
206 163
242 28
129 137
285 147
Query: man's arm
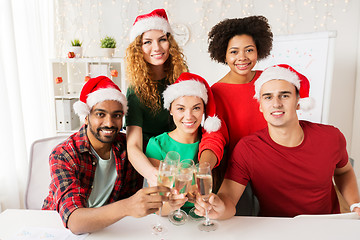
222 205
345 180
142 203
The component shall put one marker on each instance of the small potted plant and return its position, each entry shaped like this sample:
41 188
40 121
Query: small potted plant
76 47
108 44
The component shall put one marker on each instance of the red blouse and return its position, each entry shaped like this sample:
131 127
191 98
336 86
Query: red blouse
239 111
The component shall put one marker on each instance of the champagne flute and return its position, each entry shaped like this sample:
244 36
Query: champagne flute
166 177
204 183
183 179
172 156
192 197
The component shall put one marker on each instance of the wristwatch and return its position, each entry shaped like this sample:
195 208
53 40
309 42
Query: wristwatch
354 206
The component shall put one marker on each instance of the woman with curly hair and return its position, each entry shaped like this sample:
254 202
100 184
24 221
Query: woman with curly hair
238 43
153 61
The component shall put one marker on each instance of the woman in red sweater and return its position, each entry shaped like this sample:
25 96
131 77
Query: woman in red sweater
238 43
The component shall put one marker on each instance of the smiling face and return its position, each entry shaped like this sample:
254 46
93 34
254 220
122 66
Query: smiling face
104 122
155 47
279 102
187 113
241 54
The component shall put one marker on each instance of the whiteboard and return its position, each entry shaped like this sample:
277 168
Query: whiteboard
312 54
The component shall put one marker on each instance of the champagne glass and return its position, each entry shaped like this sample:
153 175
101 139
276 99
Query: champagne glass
194 216
204 183
172 156
166 177
183 180
192 195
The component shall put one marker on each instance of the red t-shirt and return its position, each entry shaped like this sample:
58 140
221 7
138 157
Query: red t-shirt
239 111
289 181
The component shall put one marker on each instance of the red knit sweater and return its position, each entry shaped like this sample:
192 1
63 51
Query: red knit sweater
240 116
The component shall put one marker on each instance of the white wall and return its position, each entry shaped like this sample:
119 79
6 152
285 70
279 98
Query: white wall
91 20
355 143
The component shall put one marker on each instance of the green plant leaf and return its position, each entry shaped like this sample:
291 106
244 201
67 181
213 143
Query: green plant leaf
108 42
76 43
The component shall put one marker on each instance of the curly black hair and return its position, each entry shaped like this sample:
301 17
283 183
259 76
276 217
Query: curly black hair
255 26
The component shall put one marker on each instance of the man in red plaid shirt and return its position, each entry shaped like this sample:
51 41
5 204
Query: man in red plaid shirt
93 184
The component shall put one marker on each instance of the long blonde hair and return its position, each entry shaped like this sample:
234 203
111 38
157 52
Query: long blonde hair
138 72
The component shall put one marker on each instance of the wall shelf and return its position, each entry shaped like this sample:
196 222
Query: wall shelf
73 72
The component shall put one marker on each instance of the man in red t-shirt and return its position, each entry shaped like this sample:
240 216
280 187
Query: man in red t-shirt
291 164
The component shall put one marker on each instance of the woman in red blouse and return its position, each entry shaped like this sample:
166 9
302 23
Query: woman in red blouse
238 43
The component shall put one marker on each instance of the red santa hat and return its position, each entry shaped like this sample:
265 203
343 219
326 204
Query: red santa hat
156 20
97 90
287 73
189 84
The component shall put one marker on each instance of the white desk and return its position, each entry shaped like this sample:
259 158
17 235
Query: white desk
235 228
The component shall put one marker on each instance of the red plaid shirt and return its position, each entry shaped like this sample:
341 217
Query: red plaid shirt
72 168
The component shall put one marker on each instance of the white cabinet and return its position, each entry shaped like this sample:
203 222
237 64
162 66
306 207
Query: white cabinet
68 77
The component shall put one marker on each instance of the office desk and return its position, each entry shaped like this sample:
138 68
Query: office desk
241 228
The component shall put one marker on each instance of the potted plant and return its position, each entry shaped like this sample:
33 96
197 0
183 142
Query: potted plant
76 47
108 44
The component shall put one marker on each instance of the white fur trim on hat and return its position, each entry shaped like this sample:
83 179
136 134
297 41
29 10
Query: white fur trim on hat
106 94
306 104
185 88
83 109
273 73
150 23
212 124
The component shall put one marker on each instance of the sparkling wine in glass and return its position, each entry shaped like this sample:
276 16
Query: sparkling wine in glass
204 183
192 198
166 177
183 180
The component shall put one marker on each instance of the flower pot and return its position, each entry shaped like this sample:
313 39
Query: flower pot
76 50
108 52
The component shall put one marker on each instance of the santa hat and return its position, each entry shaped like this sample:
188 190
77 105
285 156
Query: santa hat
189 84
287 73
97 90
156 20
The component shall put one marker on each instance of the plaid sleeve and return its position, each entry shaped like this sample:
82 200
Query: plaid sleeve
133 182
129 181
65 185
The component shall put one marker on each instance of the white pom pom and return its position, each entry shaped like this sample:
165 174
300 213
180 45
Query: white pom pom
212 124
306 104
81 109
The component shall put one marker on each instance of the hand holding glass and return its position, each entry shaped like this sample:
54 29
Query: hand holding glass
183 179
204 183
166 177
